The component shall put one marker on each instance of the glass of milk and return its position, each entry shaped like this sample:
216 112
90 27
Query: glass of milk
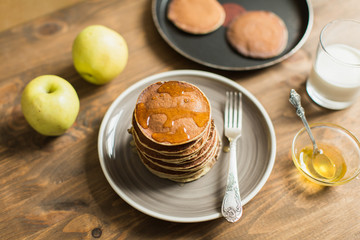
334 81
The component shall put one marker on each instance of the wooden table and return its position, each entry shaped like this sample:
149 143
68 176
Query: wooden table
54 188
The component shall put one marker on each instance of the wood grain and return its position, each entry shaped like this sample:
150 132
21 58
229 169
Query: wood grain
54 188
14 12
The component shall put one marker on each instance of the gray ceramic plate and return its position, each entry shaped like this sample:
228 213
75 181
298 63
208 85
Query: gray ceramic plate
213 50
199 200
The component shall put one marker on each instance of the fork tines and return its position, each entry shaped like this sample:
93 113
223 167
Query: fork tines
233 110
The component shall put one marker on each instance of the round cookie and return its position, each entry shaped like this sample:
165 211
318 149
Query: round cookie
196 16
258 34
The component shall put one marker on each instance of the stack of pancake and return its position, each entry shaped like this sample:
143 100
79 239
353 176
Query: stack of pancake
173 132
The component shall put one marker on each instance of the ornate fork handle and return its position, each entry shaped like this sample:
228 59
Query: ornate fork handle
231 207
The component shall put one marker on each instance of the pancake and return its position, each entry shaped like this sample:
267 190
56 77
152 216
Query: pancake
170 150
177 160
199 173
183 176
162 109
232 10
194 163
172 113
258 34
196 16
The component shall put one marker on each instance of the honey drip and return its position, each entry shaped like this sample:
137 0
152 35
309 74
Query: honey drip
144 114
174 89
178 136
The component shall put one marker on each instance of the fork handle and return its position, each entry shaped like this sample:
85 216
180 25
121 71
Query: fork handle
231 207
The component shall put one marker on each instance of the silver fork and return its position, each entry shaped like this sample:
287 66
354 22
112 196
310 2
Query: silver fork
231 207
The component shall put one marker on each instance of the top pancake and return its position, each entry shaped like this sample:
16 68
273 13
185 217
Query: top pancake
196 16
172 113
258 34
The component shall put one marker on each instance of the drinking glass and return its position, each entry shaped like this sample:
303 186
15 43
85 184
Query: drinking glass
334 81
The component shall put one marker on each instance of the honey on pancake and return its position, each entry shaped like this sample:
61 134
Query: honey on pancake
174 89
178 136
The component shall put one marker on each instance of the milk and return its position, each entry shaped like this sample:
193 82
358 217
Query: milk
334 81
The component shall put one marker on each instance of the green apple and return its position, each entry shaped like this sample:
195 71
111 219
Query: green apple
50 104
99 54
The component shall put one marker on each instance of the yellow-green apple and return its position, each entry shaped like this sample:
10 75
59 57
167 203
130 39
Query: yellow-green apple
99 54
50 104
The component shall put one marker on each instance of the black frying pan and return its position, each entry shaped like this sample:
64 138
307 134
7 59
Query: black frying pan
213 50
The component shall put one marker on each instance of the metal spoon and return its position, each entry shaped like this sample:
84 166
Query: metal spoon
319 159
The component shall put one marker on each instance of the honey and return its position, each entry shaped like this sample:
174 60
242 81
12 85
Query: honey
175 89
178 136
179 111
144 114
330 168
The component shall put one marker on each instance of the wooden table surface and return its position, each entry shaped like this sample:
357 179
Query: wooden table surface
54 188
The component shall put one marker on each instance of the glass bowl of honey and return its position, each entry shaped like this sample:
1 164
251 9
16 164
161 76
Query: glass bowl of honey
339 145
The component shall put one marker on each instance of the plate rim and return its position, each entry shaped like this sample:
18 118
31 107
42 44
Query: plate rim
246 68
214 77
